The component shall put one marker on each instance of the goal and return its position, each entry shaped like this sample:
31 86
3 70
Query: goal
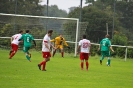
10 24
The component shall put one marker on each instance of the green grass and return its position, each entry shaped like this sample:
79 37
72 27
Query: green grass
63 72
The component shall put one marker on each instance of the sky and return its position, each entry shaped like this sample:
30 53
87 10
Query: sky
64 4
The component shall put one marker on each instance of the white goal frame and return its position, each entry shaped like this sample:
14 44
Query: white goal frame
46 17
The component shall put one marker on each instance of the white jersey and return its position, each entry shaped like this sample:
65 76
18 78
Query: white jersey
16 37
46 39
84 46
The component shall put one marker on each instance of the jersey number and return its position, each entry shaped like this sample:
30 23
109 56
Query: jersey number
104 42
85 45
28 40
16 37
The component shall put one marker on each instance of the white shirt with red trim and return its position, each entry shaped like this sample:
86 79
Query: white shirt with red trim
46 39
16 37
84 46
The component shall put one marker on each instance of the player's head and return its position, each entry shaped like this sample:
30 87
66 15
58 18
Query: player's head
50 32
84 36
20 31
27 31
107 36
61 35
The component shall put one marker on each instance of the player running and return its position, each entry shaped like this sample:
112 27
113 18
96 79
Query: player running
46 50
15 43
105 47
27 38
84 47
59 41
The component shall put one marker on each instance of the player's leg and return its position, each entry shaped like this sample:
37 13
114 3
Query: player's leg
86 60
12 46
82 61
14 50
55 50
46 56
108 55
25 49
44 64
62 50
29 54
102 57
10 52
11 49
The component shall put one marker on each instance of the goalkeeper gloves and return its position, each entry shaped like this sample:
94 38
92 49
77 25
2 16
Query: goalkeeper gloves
68 47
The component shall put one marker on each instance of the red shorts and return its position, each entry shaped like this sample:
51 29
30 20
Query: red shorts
14 47
46 54
84 56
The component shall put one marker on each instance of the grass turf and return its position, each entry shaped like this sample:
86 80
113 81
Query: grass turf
18 72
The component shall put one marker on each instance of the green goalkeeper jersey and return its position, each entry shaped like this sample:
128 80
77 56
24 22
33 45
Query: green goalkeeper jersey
27 38
105 44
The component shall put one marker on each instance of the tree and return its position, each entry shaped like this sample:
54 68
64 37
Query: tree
96 19
27 7
54 11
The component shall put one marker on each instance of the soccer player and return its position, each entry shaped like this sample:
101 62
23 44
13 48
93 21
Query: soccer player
84 47
59 41
15 43
27 38
46 50
105 47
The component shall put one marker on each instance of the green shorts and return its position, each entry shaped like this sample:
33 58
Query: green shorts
106 53
25 49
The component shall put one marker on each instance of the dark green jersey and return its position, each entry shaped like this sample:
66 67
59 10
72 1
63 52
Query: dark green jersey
105 44
27 38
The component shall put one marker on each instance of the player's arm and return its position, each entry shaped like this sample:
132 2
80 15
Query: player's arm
53 40
52 46
11 39
32 38
90 47
65 42
110 47
79 47
34 42
21 38
99 47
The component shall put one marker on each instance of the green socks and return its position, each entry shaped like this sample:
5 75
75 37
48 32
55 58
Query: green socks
108 61
28 57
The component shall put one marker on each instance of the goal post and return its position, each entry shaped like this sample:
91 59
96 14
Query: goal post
11 23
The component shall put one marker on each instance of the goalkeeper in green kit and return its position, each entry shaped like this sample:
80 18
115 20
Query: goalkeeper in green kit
105 47
27 38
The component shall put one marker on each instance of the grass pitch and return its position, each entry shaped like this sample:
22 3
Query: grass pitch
18 72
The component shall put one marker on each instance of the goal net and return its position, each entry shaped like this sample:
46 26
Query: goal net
10 24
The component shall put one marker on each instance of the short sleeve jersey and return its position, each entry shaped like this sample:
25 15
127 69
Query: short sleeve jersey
46 39
27 38
84 46
105 44
16 37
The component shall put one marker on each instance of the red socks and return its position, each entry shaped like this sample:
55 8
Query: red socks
12 54
62 54
87 65
44 65
82 65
